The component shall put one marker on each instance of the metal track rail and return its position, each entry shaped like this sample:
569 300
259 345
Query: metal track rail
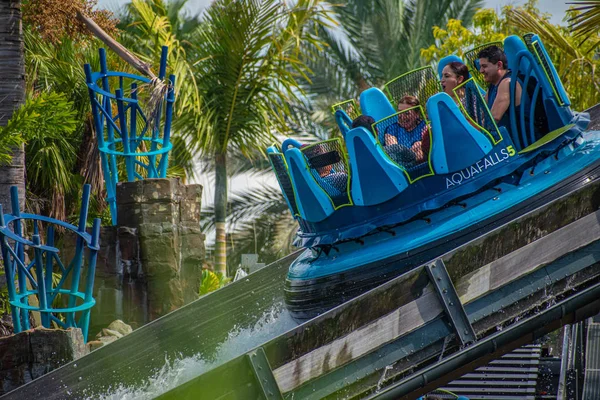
576 308
412 335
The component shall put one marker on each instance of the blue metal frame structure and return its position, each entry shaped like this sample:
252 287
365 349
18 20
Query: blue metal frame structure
34 278
129 132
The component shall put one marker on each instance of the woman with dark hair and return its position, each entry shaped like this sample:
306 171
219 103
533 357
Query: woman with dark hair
454 74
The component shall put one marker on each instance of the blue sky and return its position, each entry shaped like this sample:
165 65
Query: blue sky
555 7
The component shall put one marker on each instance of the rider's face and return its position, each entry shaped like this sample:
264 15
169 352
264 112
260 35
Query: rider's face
406 119
489 70
450 80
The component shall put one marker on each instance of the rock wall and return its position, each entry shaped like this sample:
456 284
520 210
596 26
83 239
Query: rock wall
151 263
33 353
164 216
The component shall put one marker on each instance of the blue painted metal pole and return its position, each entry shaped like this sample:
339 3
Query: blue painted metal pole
49 261
38 264
151 170
89 284
164 160
100 137
19 251
162 70
133 107
85 205
129 154
79 249
154 145
10 278
107 106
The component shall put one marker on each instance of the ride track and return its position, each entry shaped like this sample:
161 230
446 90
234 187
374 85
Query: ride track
198 328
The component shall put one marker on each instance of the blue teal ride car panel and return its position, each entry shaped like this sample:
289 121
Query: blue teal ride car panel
425 194
428 174
417 233
449 126
381 196
343 121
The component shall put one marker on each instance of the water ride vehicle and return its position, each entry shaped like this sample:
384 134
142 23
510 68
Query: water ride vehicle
369 210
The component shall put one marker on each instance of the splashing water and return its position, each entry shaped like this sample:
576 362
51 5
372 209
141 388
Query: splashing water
180 370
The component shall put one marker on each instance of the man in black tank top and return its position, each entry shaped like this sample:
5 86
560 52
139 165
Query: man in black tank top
493 67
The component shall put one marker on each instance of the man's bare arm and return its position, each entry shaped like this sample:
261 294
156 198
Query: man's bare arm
389 139
502 100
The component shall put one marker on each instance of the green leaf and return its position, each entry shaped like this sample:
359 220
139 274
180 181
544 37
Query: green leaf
212 281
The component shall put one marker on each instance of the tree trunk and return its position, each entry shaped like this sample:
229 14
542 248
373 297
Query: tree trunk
221 212
12 94
361 83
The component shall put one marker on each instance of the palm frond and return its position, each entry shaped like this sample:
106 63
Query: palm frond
464 10
152 24
248 205
586 21
182 157
574 59
48 124
250 73
551 35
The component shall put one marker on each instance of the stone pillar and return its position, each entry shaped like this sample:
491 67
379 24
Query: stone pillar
33 353
164 215
119 286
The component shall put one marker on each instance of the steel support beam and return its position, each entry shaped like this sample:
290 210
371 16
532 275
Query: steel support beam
450 301
264 374
578 307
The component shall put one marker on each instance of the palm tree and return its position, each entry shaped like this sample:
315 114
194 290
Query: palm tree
12 94
249 57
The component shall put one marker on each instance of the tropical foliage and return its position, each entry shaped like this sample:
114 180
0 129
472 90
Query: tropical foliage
61 150
47 122
146 26
212 281
52 74
586 21
377 41
248 59
9 139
